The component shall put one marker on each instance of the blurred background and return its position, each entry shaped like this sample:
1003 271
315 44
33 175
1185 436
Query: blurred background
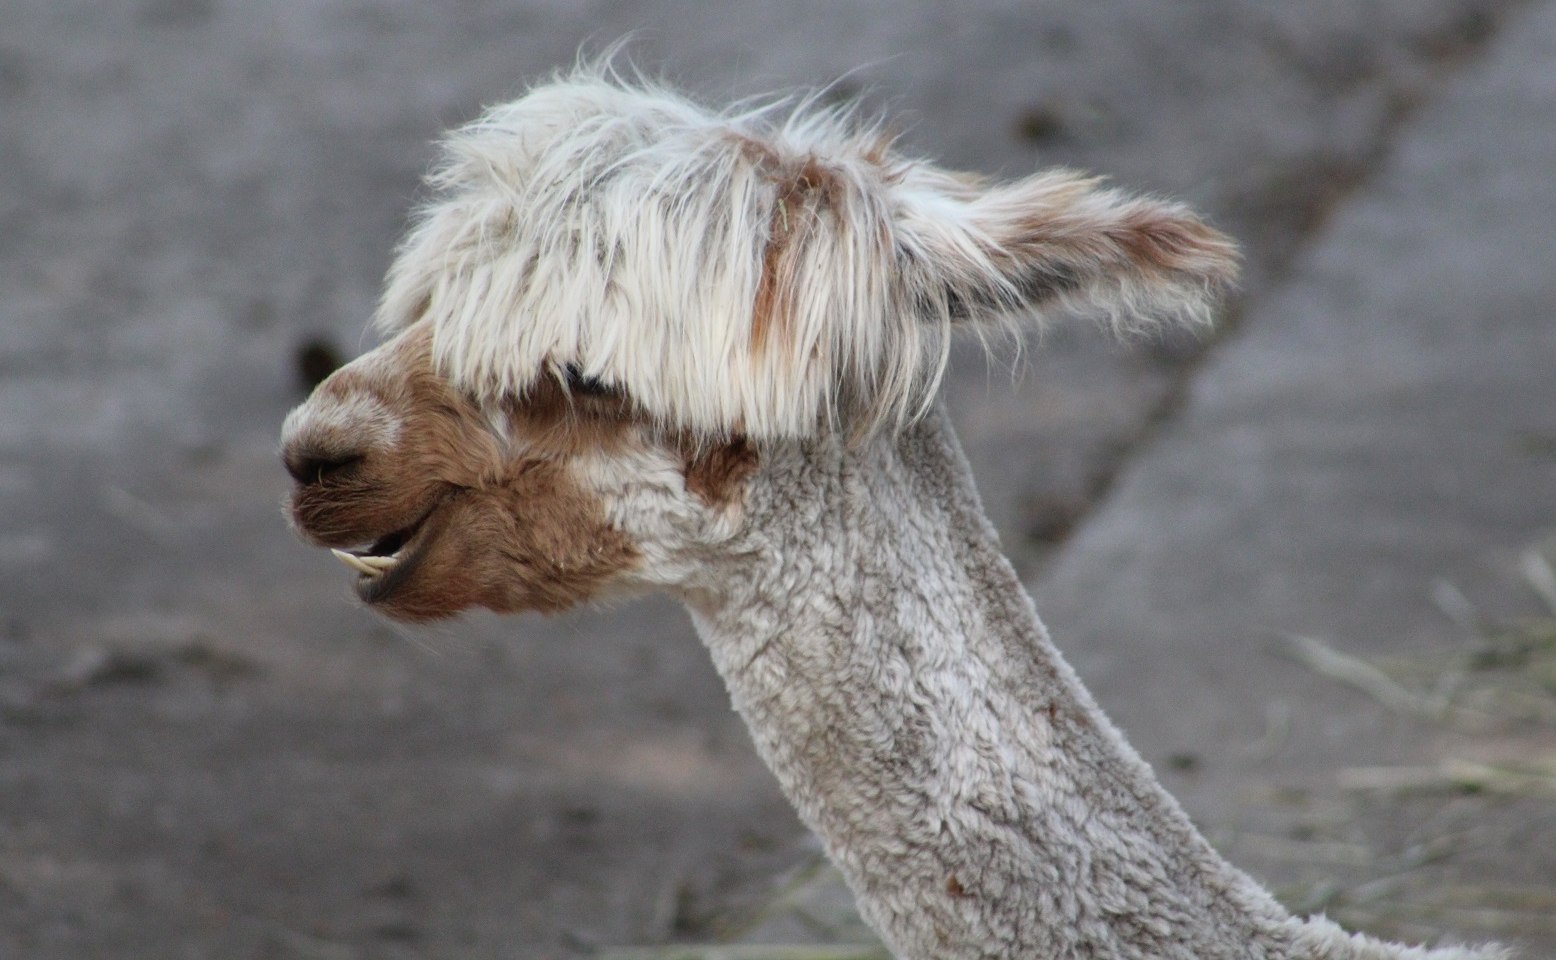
1304 561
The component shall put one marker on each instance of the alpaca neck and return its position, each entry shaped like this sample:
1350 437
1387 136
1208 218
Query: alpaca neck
897 681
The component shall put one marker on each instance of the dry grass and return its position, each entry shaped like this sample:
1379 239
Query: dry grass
1492 703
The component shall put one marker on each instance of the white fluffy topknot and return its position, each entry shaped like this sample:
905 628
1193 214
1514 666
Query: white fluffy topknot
769 271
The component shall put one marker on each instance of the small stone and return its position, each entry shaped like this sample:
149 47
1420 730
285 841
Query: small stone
315 359
1040 123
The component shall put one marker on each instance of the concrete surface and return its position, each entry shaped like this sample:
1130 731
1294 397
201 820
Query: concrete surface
206 751
1372 434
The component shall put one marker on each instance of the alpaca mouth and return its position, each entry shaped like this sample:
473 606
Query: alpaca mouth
384 563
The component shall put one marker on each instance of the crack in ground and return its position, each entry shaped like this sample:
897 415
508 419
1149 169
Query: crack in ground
1278 220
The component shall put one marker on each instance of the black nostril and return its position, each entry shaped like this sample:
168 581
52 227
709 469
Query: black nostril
308 468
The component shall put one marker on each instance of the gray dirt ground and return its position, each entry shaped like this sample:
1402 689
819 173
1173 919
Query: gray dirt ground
206 751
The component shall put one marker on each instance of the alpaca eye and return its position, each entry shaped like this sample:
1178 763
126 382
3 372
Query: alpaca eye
580 385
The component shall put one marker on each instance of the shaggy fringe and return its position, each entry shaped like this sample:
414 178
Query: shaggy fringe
771 270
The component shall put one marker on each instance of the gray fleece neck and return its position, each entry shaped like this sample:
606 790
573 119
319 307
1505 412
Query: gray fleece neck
896 679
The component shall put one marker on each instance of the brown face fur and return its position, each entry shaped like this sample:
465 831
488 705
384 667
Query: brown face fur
482 508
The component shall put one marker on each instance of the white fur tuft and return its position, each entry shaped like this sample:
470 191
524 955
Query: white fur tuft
769 270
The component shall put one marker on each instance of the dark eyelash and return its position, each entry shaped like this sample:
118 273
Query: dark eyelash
583 386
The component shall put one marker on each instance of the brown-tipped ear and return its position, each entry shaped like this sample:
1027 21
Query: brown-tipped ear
1056 239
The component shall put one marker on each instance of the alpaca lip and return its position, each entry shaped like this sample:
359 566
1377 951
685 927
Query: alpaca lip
382 565
375 588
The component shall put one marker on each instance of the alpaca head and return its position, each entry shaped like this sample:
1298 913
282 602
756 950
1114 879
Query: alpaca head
535 501
617 299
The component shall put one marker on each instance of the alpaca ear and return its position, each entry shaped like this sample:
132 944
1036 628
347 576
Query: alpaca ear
1055 240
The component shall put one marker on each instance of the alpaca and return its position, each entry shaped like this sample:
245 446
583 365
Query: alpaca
637 344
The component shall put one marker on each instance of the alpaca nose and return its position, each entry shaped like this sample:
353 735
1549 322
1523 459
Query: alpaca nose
313 465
